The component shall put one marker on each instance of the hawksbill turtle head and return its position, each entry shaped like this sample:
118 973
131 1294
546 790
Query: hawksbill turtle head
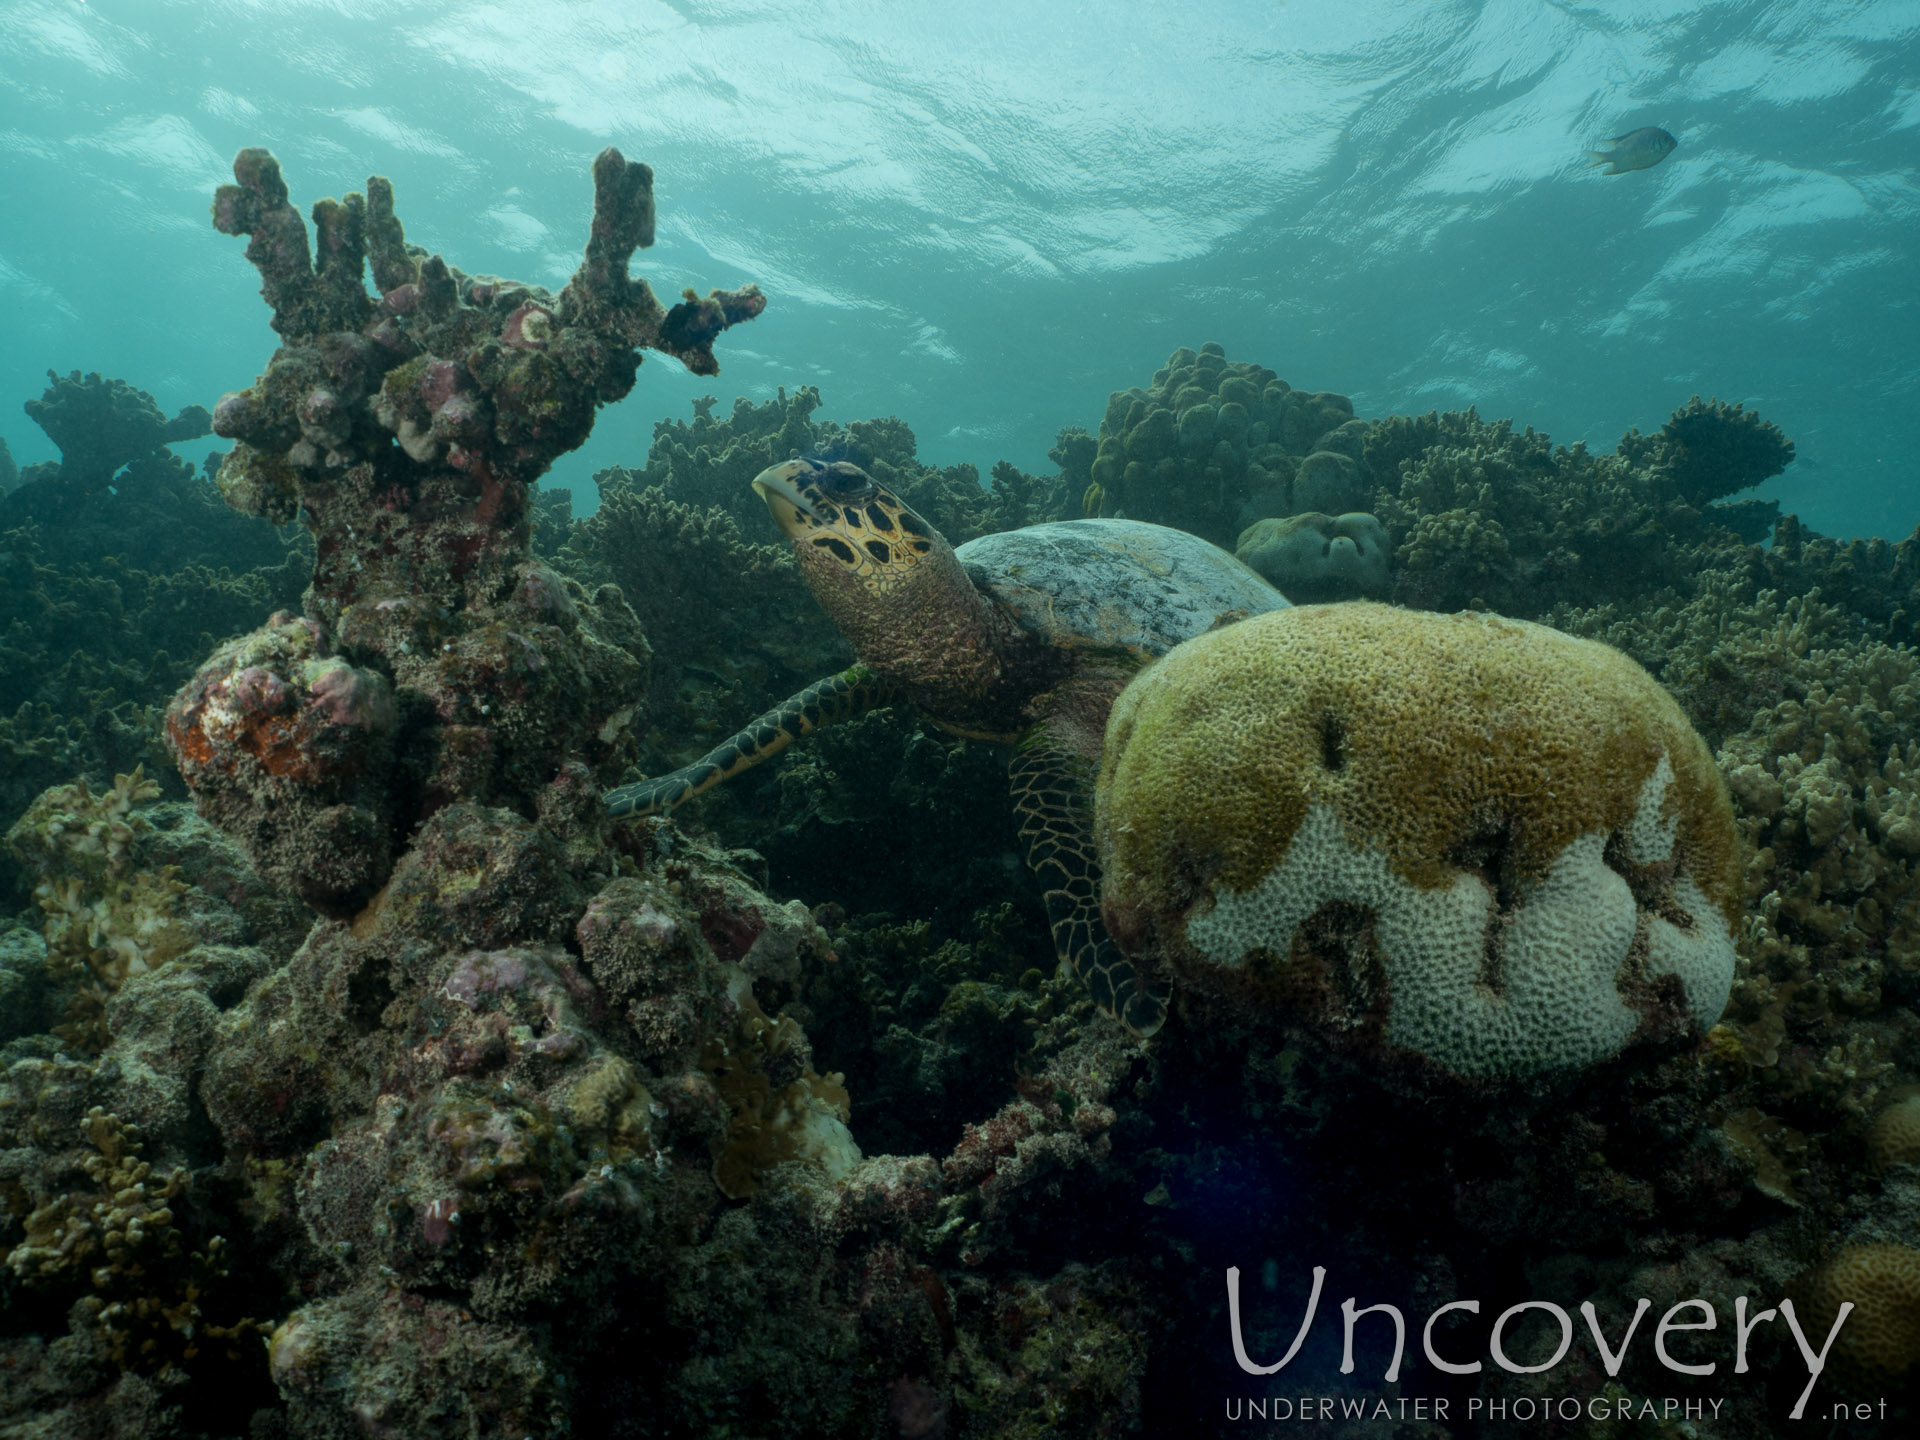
886 577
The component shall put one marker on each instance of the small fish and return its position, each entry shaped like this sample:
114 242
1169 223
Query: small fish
1641 150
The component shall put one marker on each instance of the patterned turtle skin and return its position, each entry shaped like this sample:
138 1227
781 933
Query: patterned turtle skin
1024 638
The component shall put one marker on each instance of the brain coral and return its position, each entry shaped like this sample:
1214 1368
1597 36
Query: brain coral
1894 1138
1470 840
1881 1338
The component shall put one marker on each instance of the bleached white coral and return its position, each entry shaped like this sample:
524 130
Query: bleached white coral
1477 992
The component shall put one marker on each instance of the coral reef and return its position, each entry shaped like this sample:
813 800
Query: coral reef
119 567
90 653
106 920
407 431
522 1123
1471 841
708 463
731 629
1213 445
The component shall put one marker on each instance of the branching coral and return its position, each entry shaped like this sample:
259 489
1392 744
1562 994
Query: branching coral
107 920
1483 515
117 1242
707 462
731 628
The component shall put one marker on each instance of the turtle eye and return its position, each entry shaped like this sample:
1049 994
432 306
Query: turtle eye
844 481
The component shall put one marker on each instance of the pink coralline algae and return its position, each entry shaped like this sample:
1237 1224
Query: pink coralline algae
287 746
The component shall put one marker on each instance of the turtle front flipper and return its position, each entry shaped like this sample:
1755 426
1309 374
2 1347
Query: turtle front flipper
1053 798
838 697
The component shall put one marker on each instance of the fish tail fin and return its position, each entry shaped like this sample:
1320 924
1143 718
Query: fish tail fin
1600 157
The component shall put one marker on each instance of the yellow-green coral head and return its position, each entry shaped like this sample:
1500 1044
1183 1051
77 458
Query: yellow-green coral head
1472 844
877 569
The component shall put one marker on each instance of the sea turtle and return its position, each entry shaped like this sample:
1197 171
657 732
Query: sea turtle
1023 637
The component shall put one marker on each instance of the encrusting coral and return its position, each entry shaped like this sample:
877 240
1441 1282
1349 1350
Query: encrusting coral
489 1088
1472 841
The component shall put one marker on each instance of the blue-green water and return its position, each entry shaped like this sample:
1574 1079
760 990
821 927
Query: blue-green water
983 218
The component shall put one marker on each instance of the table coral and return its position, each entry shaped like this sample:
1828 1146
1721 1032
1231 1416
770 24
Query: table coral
1462 839
1708 450
101 426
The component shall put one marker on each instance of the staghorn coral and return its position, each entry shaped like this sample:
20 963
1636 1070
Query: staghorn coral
1468 840
1213 445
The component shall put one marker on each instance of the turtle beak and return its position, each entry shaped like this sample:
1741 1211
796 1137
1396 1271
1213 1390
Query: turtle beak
776 486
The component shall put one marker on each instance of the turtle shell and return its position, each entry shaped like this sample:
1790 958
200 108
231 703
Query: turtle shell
1115 584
